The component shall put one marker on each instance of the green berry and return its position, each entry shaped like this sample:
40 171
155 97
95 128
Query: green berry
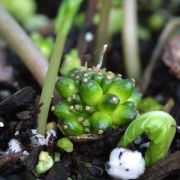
66 86
72 127
62 110
101 121
106 84
123 88
109 103
90 92
124 114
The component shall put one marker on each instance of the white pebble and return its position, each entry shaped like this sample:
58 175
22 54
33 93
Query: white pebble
1 124
14 146
16 133
89 37
125 164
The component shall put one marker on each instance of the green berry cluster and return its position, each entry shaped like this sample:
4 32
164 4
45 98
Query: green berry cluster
93 100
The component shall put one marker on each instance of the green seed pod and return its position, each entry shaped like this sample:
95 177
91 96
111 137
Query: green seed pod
65 144
160 128
62 110
66 86
72 127
106 84
90 92
109 103
101 121
98 77
122 88
135 98
124 114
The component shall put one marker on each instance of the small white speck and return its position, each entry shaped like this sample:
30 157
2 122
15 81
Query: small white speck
1 124
87 108
88 37
178 129
71 107
144 145
16 133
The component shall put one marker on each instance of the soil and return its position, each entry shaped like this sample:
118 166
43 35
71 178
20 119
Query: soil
18 113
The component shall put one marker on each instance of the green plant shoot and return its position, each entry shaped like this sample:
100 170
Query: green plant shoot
160 128
67 12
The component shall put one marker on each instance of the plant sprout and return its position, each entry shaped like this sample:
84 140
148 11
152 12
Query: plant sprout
66 13
160 128
45 162
65 144
71 61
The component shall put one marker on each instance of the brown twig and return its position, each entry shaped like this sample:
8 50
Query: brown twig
15 36
170 27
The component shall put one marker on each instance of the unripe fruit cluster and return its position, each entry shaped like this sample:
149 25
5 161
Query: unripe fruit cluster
94 100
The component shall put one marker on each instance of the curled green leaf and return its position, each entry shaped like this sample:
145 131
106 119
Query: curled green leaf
160 128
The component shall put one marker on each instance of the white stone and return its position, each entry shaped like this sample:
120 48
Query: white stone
88 37
125 164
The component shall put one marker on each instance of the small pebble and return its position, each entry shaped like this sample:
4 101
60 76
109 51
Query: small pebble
88 37
1 124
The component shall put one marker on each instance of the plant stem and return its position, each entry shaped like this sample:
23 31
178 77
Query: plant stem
14 35
64 21
48 88
101 36
130 40
170 27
